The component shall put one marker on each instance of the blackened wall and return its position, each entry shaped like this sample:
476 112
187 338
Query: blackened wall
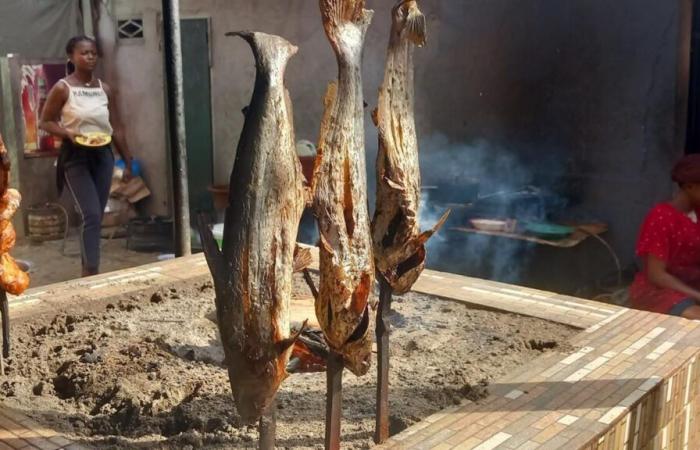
586 90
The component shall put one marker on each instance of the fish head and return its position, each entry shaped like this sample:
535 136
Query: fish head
255 391
406 273
357 351
357 356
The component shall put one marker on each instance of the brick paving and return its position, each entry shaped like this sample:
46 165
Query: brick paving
633 382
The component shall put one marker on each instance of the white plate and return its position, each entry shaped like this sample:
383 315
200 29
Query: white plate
489 224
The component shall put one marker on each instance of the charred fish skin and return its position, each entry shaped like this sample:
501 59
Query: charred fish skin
398 243
340 193
254 268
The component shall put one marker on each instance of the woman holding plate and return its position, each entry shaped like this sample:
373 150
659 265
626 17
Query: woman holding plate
82 110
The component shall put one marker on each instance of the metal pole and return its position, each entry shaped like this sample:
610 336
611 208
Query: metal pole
176 124
88 29
13 135
5 308
267 428
334 398
381 430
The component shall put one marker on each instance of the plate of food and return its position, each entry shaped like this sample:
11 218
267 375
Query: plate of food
93 139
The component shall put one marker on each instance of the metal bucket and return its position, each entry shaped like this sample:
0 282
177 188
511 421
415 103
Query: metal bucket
46 222
154 234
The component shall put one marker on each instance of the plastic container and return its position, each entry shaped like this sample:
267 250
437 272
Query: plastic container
218 231
548 230
135 166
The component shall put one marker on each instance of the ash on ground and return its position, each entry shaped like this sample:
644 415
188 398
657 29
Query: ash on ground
145 371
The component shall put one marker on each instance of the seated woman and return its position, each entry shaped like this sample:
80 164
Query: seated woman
669 245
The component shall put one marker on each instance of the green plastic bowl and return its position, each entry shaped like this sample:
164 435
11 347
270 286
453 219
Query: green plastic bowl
548 230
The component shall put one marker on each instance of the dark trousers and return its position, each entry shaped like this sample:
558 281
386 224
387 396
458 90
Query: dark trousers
88 176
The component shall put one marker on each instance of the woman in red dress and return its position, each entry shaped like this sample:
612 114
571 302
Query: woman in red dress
669 245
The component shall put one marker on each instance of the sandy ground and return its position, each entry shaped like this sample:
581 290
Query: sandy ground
50 265
145 372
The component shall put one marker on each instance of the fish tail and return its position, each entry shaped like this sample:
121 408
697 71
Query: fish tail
337 12
269 50
415 24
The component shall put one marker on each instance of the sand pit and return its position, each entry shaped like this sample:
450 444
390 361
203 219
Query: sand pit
144 371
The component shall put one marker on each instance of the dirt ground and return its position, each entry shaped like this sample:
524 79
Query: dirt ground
145 371
50 265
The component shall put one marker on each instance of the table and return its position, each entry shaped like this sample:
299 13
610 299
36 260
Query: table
583 232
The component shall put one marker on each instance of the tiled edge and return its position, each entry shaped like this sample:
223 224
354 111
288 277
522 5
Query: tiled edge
634 379
19 432
571 311
667 416
663 400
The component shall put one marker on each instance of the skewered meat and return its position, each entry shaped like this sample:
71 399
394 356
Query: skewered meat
340 197
399 249
253 271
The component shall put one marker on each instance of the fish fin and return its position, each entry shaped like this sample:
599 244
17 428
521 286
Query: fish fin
375 116
302 258
323 242
415 24
283 345
329 99
424 236
394 185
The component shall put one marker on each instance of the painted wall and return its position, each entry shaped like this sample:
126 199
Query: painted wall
579 92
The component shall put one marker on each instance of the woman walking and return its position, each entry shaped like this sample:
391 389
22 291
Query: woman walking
77 105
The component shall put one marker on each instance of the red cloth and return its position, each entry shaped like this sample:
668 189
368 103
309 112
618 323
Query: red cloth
673 237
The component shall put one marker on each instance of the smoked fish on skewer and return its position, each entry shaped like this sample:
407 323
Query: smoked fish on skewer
340 193
253 270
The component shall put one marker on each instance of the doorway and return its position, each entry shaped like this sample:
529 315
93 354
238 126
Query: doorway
196 78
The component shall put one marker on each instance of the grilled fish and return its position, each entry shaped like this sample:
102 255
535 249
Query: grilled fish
253 271
399 249
340 193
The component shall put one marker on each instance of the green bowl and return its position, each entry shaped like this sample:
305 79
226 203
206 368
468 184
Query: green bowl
548 230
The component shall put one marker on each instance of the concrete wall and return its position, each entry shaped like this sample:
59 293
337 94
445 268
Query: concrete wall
51 24
584 89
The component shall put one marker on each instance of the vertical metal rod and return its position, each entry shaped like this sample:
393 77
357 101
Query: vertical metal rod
5 315
267 428
88 29
334 399
381 429
11 115
176 124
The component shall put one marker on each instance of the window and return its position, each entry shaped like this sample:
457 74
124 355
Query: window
130 28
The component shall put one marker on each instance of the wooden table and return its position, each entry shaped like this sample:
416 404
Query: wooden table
581 233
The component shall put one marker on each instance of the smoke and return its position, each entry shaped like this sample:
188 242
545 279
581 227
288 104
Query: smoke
508 186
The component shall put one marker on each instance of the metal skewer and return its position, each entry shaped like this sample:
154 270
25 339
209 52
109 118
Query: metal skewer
334 398
381 430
